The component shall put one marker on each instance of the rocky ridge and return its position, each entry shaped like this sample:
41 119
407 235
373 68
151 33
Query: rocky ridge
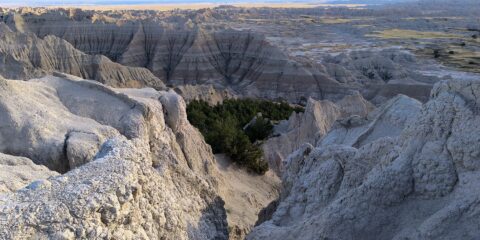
26 56
203 48
384 73
18 172
207 93
145 178
416 183
311 126
181 52
134 168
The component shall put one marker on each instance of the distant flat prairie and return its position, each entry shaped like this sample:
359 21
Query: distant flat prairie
412 34
171 6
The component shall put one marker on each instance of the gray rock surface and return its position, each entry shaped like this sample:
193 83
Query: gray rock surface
311 126
35 123
181 52
26 56
207 93
134 168
228 48
18 172
384 73
420 183
151 174
388 120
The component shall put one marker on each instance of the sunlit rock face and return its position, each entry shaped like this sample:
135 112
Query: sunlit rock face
133 166
18 172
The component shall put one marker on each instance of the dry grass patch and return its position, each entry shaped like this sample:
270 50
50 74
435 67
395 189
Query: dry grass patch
335 20
411 34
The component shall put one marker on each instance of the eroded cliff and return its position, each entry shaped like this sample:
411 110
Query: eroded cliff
133 172
416 183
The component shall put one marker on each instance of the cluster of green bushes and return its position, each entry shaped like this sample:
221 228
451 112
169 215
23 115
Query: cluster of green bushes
223 127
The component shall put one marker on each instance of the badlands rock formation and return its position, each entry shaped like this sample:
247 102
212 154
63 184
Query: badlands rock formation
418 183
205 93
18 172
310 126
25 56
180 52
384 73
138 169
209 47
190 47
387 120
84 159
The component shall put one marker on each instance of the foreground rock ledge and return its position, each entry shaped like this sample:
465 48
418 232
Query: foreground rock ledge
147 179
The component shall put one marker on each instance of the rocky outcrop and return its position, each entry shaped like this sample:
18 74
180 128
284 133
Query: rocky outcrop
317 119
145 178
382 73
26 56
201 48
386 121
205 93
35 123
18 172
354 105
420 183
310 126
182 52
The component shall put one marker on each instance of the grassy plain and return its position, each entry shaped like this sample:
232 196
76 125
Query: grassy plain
411 34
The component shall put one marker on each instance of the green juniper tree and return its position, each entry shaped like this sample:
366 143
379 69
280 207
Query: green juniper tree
225 128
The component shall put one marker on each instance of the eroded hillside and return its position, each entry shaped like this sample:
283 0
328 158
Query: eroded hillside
95 141
199 47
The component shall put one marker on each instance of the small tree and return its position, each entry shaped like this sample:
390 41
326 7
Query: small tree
222 127
260 129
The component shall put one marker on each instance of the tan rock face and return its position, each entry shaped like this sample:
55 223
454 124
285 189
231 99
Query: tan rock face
3 83
417 183
149 177
18 172
355 105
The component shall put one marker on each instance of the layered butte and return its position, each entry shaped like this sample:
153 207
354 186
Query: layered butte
179 51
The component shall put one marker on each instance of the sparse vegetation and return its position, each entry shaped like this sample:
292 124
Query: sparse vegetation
411 34
458 56
224 127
